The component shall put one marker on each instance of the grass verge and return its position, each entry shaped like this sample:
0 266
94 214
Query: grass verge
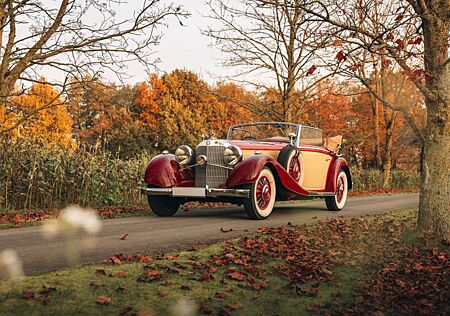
372 264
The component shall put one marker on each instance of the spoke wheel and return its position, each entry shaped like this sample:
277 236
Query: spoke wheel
337 202
294 168
262 196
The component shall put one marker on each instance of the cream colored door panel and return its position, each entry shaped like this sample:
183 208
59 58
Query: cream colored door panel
315 170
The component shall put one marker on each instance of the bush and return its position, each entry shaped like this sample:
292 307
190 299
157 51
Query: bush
36 177
370 179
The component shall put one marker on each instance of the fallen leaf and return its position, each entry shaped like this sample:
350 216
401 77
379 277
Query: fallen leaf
186 287
223 230
145 259
27 294
121 274
151 272
103 300
114 260
236 276
124 237
162 293
100 272
45 299
47 289
221 295
205 309
206 277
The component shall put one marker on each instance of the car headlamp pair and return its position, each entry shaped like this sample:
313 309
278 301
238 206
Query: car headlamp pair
184 155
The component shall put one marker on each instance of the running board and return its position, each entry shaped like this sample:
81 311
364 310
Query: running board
320 194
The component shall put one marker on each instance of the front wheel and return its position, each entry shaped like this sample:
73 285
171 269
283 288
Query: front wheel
337 202
163 206
262 196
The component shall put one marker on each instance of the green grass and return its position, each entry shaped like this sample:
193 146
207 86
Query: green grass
77 288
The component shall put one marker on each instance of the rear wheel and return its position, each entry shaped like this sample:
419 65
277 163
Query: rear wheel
163 206
262 196
337 202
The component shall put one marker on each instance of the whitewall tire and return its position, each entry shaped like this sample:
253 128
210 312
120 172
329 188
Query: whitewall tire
262 195
337 202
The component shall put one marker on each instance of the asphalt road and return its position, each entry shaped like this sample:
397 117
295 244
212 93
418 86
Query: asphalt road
151 234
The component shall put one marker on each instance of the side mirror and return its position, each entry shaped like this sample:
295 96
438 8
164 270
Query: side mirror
292 137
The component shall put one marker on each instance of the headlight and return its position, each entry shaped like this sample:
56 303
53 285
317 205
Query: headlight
232 155
184 155
201 160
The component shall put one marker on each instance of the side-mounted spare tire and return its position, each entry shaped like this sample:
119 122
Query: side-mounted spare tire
289 158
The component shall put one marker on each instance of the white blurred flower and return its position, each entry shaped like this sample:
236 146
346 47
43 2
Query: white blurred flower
72 218
10 264
184 307
76 217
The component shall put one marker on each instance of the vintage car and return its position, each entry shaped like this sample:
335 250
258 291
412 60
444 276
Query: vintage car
256 165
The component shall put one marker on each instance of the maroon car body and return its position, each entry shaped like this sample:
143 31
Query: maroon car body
253 167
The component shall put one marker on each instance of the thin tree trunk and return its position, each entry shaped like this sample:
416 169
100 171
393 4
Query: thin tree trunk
387 164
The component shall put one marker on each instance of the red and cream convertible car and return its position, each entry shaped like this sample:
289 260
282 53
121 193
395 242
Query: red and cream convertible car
256 165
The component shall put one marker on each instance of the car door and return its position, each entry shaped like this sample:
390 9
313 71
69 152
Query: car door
316 159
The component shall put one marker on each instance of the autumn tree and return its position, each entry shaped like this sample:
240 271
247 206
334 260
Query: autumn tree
105 116
51 126
178 108
234 105
415 36
74 38
270 40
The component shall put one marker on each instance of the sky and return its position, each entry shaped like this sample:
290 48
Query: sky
182 47
185 47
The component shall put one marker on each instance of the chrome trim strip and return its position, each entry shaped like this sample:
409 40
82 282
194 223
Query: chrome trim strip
156 191
245 193
212 192
313 193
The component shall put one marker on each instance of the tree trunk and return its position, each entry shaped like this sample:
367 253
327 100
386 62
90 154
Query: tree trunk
387 164
434 205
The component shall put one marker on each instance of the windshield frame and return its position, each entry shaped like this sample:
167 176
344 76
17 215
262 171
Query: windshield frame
297 131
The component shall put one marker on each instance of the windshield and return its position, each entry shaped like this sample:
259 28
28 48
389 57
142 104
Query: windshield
278 132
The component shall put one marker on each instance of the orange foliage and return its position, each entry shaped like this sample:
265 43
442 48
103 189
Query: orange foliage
50 126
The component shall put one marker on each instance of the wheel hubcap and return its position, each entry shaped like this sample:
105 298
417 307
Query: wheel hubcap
263 192
294 168
340 190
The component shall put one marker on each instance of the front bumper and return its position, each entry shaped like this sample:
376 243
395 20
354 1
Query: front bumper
192 192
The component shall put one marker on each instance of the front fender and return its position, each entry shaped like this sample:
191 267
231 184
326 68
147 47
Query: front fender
165 172
339 163
248 171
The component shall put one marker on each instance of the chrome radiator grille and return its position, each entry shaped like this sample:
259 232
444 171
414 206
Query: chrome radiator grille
212 176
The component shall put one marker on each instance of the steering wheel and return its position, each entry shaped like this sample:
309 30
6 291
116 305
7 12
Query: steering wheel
248 137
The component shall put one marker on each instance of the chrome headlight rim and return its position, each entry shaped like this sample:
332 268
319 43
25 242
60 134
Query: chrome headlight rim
232 155
201 160
184 155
